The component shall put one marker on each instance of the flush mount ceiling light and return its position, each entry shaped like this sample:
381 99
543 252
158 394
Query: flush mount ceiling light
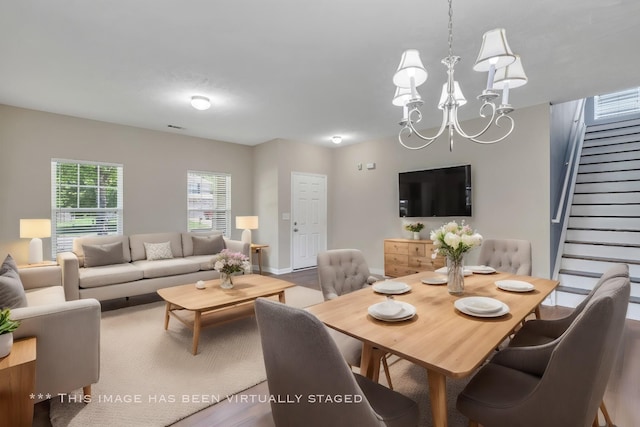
504 71
336 139
200 102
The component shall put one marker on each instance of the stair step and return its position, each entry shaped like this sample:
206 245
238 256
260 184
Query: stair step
616 176
614 145
582 283
596 266
598 223
607 187
609 166
607 198
613 211
610 157
614 125
603 237
612 253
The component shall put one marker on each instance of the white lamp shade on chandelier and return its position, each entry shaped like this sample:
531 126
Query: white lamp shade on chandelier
246 223
504 70
36 230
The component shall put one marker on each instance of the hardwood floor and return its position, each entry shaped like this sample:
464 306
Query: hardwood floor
622 395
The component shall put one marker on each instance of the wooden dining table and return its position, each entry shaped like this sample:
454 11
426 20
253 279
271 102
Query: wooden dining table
442 339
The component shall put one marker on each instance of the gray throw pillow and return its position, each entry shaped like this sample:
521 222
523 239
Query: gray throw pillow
105 254
207 245
11 291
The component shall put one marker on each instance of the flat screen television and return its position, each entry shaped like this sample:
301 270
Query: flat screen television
435 192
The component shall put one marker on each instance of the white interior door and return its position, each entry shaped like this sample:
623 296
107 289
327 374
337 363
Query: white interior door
308 218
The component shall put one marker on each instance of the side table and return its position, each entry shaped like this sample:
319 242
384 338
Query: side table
17 383
257 249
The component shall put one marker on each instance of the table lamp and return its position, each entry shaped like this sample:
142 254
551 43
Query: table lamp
247 223
35 229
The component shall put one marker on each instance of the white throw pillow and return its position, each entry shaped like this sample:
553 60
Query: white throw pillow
157 251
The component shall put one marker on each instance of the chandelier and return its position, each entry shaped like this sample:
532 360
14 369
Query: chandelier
504 72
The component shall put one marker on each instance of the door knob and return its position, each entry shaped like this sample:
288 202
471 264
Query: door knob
295 229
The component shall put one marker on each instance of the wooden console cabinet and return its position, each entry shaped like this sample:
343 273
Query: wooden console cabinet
404 256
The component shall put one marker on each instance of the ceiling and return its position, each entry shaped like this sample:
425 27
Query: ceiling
292 69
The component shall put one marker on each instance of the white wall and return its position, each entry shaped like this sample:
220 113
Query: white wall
155 171
510 183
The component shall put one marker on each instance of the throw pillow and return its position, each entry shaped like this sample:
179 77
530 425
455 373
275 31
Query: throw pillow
105 254
11 290
207 245
157 251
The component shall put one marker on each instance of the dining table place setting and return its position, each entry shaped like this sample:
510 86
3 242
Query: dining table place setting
391 287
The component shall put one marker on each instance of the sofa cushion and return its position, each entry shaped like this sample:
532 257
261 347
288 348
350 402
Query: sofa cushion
137 241
207 245
45 296
156 251
187 240
108 275
204 261
11 290
166 267
105 254
100 240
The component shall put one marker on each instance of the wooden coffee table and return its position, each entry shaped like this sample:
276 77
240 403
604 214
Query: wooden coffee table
198 308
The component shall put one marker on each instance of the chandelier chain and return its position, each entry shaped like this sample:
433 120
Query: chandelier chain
450 40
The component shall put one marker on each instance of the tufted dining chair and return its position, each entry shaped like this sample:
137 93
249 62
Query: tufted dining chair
508 255
302 361
539 332
556 384
341 271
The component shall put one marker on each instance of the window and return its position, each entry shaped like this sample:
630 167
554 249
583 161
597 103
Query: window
209 201
86 199
616 104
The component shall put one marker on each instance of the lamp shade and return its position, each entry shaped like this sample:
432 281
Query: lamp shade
410 67
513 75
495 50
247 222
35 228
402 96
457 95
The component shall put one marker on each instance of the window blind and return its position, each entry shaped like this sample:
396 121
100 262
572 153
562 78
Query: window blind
209 201
616 104
86 200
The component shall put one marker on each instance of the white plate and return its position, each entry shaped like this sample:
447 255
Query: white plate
481 269
514 285
435 280
407 312
391 287
481 305
444 270
459 304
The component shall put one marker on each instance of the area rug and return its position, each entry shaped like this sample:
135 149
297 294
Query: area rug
148 376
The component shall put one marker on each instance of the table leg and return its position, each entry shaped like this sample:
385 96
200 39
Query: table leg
366 365
196 332
167 313
281 297
438 396
259 251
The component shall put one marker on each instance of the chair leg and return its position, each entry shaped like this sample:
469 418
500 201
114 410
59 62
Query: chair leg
387 374
473 423
86 391
605 413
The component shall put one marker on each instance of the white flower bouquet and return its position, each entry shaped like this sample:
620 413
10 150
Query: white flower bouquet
229 262
453 240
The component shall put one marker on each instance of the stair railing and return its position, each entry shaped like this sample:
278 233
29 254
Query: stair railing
571 163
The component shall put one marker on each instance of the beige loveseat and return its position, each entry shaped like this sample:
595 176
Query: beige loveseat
95 268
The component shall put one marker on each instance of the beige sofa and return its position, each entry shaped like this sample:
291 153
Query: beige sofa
133 273
67 332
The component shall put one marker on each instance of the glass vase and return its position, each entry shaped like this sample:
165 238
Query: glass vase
226 281
455 273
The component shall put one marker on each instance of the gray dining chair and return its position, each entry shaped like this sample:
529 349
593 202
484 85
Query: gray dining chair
556 384
538 332
303 362
341 271
507 255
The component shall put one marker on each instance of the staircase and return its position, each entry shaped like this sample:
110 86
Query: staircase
604 221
